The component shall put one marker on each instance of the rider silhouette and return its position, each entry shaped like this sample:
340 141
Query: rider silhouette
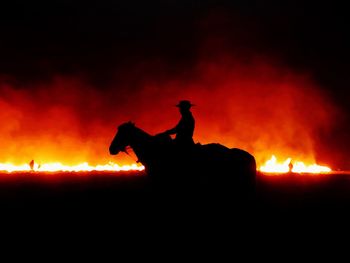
184 129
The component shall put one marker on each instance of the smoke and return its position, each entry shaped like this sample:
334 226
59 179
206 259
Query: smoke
52 122
256 105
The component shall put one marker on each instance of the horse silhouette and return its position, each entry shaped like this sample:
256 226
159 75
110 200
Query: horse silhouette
211 165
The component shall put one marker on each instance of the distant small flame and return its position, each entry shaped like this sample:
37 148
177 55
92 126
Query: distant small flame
273 166
58 167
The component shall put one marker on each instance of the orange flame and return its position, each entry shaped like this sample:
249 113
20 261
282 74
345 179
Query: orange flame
58 167
273 166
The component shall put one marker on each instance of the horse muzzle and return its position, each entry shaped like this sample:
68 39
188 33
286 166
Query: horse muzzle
113 151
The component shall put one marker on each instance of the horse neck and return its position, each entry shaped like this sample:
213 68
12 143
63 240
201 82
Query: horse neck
139 142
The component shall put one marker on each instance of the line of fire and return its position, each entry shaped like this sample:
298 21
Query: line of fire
271 167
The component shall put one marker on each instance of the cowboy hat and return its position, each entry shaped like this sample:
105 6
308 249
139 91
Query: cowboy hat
184 104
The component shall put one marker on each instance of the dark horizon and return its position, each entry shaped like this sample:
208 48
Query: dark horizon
122 48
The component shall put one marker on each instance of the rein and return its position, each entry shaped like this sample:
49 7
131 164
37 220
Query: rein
126 151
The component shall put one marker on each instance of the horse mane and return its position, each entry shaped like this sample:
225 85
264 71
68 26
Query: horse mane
129 124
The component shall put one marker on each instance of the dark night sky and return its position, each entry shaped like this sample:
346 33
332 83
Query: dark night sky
40 38
99 40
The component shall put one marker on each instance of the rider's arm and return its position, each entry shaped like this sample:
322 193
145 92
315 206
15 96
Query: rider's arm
173 130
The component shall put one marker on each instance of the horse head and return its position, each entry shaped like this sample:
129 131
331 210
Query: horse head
122 139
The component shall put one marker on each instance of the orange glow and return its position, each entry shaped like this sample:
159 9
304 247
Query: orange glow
58 167
253 106
274 166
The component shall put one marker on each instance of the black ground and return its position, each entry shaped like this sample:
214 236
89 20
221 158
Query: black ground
83 204
98 190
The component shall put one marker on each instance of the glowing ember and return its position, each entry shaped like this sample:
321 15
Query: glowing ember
58 167
273 166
